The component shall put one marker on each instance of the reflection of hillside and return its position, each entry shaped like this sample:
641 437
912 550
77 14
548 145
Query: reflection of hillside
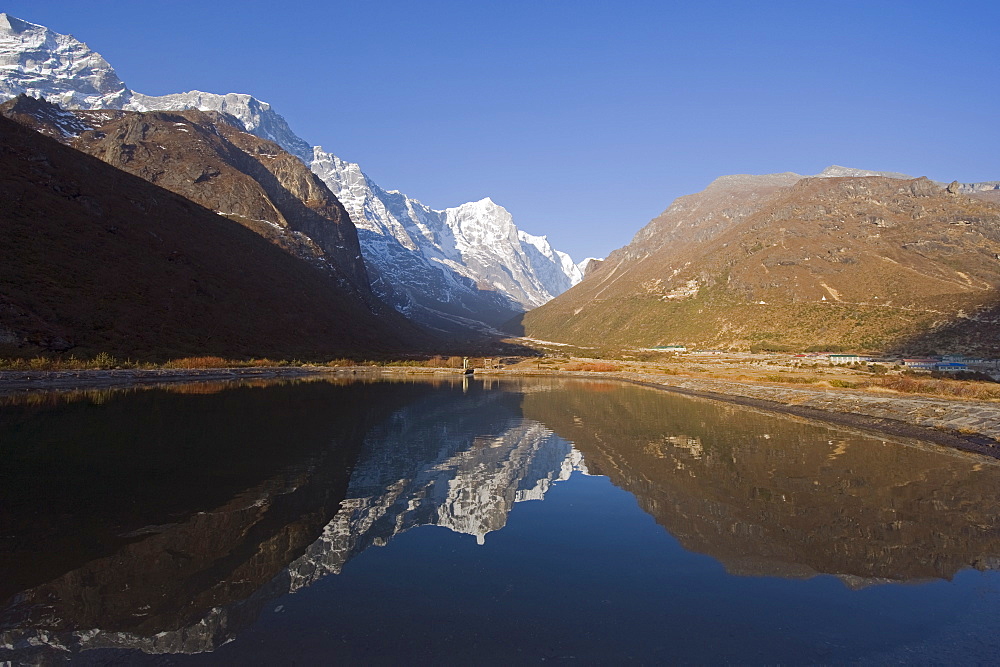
186 504
328 471
164 592
177 518
767 495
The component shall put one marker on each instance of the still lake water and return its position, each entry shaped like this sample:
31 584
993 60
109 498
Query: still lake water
481 522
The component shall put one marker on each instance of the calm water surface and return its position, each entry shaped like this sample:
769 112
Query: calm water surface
481 522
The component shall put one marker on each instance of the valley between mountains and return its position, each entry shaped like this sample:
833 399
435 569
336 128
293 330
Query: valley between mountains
328 378
199 223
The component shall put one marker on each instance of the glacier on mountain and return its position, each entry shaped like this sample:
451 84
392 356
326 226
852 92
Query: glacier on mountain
448 268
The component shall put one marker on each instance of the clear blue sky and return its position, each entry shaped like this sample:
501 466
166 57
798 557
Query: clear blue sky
584 119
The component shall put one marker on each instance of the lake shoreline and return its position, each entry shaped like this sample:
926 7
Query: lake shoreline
972 442
970 426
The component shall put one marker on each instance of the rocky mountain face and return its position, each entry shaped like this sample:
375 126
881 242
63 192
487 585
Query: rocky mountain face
727 201
988 190
251 114
590 264
202 156
98 260
868 263
450 269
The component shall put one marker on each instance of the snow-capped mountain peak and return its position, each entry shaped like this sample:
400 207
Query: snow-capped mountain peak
463 265
61 69
573 271
462 254
42 63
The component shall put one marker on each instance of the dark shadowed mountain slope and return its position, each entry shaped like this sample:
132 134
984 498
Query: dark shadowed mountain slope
95 259
205 158
868 263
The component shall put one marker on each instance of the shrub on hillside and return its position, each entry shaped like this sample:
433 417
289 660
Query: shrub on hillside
791 379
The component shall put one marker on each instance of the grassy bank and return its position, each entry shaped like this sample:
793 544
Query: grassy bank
104 361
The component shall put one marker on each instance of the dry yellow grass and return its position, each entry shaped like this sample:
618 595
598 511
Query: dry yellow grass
976 390
596 367
197 362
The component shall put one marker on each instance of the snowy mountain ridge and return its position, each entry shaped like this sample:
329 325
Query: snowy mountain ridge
445 268
256 117
464 254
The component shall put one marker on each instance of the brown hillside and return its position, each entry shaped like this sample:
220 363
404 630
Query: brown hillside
726 202
868 263
95 259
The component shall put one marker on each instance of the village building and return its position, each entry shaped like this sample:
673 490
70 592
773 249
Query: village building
841 359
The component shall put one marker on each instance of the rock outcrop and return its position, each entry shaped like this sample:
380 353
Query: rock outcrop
251 114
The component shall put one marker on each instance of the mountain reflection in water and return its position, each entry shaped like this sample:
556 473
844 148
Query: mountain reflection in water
166 521
785 497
